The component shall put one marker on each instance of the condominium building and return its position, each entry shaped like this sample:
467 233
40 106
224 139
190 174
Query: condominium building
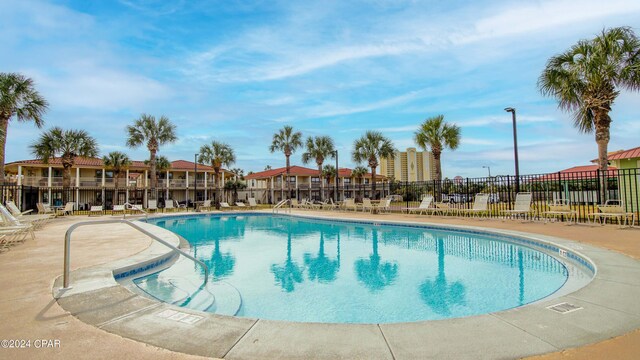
410 165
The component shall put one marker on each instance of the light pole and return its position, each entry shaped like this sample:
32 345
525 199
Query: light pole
488 168
337 175
195 182
515 146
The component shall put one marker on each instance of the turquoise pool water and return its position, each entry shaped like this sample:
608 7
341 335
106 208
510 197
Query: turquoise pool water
299 269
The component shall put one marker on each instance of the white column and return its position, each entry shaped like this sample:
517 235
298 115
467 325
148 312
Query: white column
146 180
104 176
126 180
206 174
167 187
19 176
187 179
50 180
77 177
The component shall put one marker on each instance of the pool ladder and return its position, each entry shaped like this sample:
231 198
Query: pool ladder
280 205
67 246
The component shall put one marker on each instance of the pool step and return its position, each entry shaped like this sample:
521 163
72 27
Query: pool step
228 299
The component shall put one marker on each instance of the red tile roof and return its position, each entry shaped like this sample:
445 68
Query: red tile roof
576 172
189 165
625 154
97 162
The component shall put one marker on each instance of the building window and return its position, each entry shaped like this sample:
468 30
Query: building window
315 180
346 181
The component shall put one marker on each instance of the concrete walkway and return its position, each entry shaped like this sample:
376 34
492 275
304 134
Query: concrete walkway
29 311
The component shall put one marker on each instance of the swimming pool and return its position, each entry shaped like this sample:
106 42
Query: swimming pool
301 269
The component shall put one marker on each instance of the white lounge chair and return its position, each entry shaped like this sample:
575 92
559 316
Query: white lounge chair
425 205
205 205
350 203
44 208
152 205
67 210
37 220
117 209
225 206
480 206
613 209
11 206
522 205
383 206
168 205
95 210
329 205
254 205
561 209
14 227
240 204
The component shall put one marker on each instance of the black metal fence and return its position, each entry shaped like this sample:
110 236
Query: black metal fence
582 190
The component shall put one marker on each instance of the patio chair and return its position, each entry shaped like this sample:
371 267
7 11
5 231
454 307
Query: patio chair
205 205
480 206
179 206
11 206
240 204
383 206
225 206
561 209
12 226
67 210
350 203
425 205
613 209
254 205
117 209
168 205
444 209
522 205
44 208
312 205
152 205
329 205
95 210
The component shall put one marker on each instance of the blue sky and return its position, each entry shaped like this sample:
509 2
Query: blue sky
237 71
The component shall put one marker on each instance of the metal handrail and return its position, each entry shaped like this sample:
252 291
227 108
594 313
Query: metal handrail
280 204
67 246
133 206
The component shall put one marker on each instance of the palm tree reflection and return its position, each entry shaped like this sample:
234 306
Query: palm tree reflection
321 267
221 263
372 272
289 273
438 294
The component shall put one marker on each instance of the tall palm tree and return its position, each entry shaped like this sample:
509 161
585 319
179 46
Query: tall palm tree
435 134
19 98
318 149
239 173
328 172
587 78
118 162
359 172
370 148
287 141
65 144
162 164
154 133
217 154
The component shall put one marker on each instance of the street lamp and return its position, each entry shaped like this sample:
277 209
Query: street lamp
488 168
195 182
515 146
335 152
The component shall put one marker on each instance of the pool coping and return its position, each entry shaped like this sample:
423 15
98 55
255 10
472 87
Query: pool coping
608 310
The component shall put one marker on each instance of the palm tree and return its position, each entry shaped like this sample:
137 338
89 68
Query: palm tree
318 149
328 172
154 133
359 172
239 173
65 144
371 147
217 154
19 98
119 162
162 164
268 167
287 141
586 80
436 134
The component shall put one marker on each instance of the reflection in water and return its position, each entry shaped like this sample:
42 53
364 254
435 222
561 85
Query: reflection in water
438 294
372 272
220 263
289 273
321 267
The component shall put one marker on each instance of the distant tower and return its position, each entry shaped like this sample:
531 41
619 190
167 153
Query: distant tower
410 165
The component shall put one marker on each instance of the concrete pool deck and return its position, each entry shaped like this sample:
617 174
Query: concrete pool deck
29 311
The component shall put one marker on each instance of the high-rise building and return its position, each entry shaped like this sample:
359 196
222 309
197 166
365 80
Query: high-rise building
410 165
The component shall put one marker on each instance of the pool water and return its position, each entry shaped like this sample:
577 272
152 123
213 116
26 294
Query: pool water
300 269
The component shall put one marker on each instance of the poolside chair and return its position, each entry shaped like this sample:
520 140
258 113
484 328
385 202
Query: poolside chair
152 205
13 226
522 205
11 206
561 209
254 205
366 204
425 205
444 209
179 206
240 204
44 208
67 210
168 205
225 206
329 205
613 209
117 209
295 204
37 220
95 210
205 205
383 206
306 204
350 203
480 206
